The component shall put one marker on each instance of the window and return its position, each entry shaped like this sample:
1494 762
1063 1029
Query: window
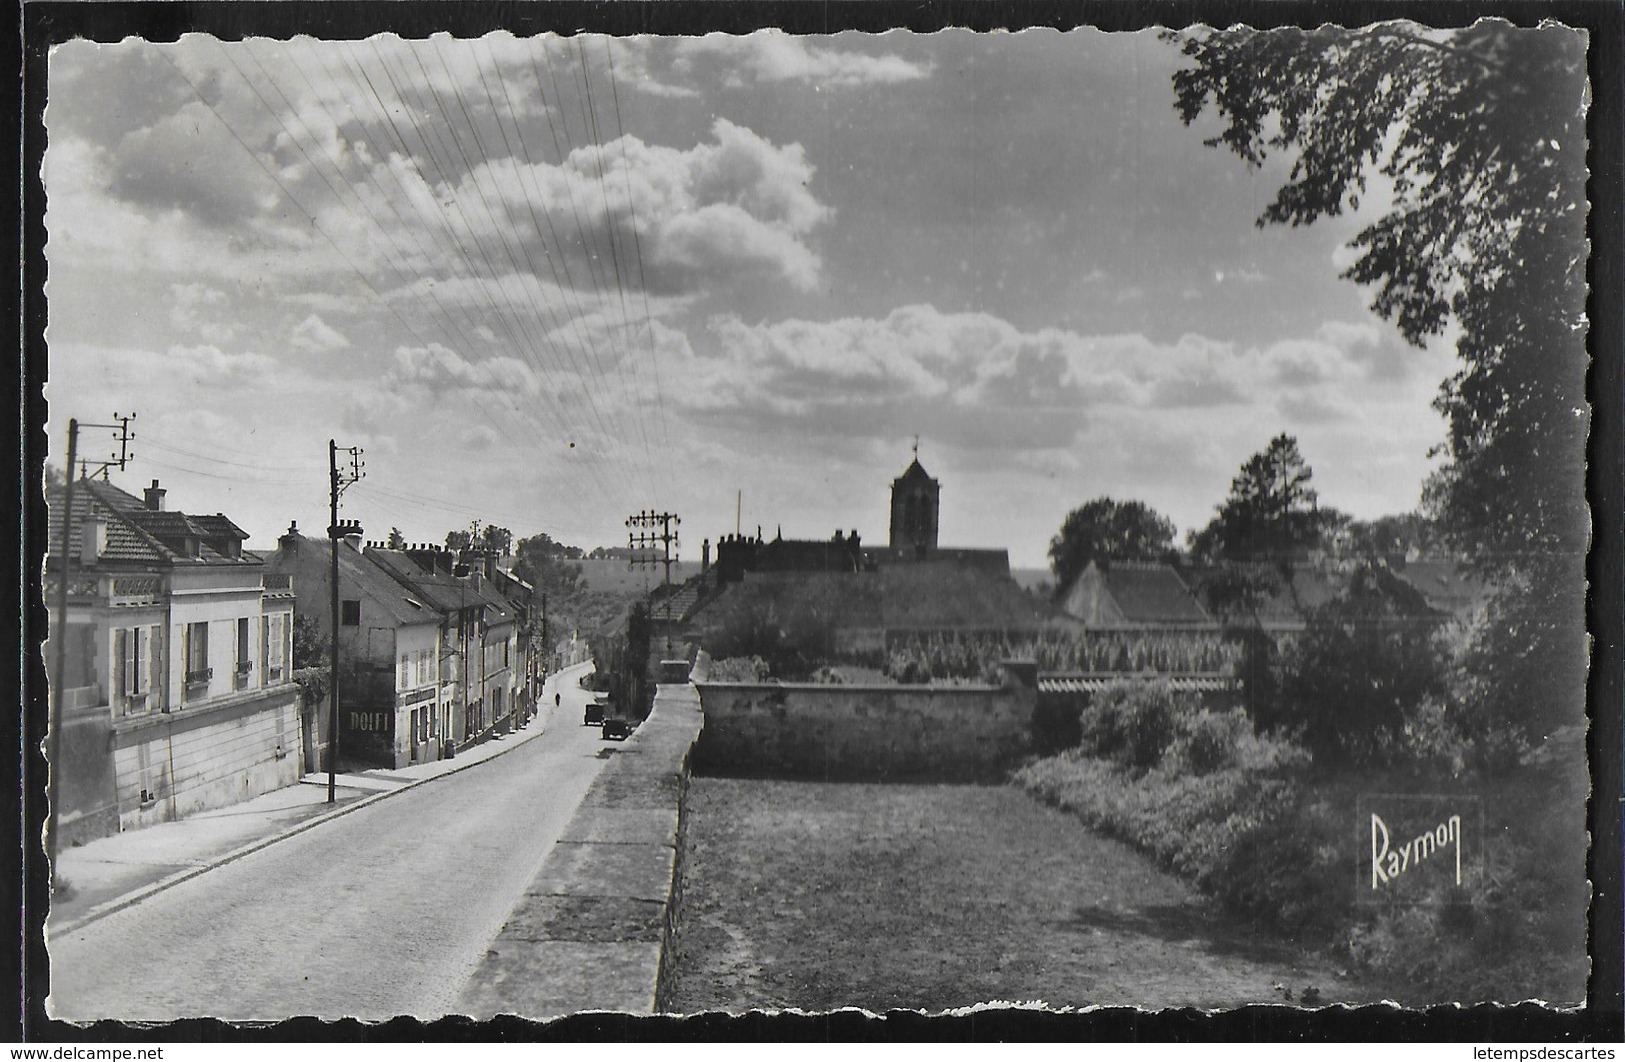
132 669
245 659
349 613
195 651
404 679
276 647
425 677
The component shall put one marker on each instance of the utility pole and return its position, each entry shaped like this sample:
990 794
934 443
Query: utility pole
60 636
337 482
642 536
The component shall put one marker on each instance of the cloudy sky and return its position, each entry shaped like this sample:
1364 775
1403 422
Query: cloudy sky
551 282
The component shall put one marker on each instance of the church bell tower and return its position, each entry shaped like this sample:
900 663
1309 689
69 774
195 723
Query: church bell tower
914 500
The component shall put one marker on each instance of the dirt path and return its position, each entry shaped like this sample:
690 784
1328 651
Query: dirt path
818 896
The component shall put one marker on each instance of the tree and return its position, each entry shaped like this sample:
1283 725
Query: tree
1480 134
457 541
498 540
542 564
1388 536
1367 659
1271 514
310 645
396 539
1104 530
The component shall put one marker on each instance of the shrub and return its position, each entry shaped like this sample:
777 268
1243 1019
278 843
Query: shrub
1130 722
1208 740
1100 727
1217 804
1148 726
1241 816
739 669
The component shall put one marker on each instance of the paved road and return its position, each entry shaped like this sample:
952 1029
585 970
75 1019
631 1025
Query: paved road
382 912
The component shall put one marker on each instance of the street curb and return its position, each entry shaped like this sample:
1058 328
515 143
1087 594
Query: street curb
117 904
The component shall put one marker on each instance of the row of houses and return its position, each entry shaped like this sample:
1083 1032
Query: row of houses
178 658
1134 595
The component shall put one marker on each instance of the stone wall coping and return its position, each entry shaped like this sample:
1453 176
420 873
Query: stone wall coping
858 687
619 854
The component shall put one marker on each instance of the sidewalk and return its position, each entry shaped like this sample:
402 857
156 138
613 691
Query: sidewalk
112 873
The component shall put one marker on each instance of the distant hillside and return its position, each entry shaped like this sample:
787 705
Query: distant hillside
1028 578
618 577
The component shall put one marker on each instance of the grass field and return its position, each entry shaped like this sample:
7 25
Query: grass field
821 895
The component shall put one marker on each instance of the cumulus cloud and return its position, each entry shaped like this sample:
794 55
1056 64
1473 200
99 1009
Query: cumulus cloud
210 366
479 438
199 308
316 336
773 56
440 369
972 379
190 161
672 219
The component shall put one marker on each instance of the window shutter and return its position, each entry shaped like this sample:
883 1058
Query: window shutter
140 646
156 661
121 662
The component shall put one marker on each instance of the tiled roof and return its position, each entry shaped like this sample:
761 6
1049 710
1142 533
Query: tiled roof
439 588
444 590
942 594
219 526
91 500
361 576
170 528
498 609
1153 594
1445 585
931 595
1288 602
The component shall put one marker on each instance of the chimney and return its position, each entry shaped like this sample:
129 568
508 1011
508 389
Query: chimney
92 540
155 497
289 542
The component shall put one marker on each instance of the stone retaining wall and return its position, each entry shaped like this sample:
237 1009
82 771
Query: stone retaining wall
594 926
870 733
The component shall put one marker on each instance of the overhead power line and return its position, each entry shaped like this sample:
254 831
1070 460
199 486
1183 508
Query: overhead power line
545 330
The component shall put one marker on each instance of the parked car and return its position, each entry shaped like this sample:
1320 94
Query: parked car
593 715
617 729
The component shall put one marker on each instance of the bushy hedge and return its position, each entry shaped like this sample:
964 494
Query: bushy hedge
1247 820
1195 788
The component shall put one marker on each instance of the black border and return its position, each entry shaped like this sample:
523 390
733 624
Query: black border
48 22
